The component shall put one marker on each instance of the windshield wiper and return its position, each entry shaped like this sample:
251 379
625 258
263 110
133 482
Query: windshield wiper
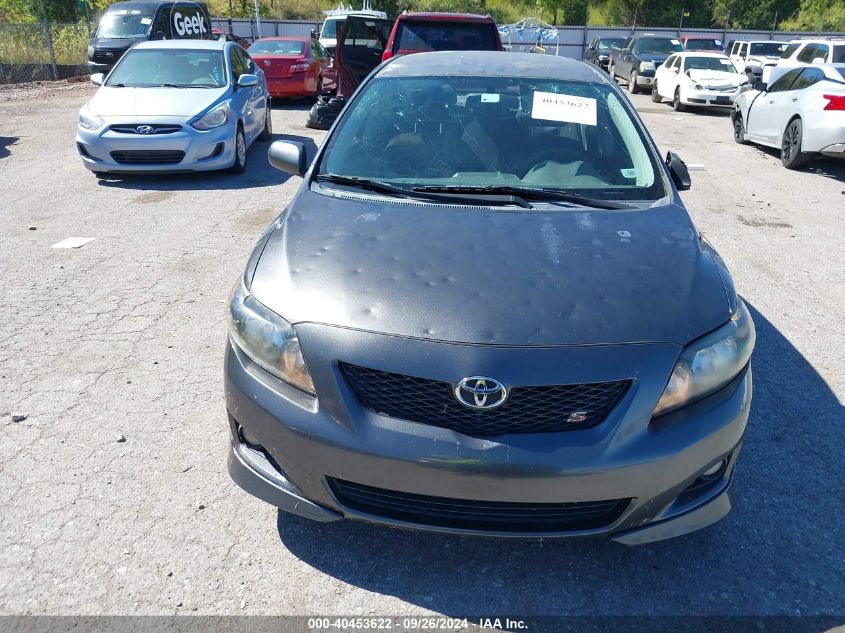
527 193
446 194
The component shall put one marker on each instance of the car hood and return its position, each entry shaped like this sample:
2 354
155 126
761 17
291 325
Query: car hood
483 276
715 78
182 102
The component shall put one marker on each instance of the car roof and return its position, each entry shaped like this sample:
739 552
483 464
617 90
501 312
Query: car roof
284 38
701 54
210 45
141 5
492 64
457 17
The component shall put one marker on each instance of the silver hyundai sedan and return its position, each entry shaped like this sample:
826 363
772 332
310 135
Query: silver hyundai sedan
486 310
175 106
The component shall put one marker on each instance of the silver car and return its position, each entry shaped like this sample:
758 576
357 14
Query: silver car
175 106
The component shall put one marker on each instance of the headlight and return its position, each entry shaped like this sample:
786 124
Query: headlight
710 363
215 117
697 86
88 120
267 339
646 66
90 52
602 58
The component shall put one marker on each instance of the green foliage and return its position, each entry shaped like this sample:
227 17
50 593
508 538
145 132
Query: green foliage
817 15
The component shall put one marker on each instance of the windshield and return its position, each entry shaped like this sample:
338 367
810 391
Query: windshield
704 45
658 45
494 132
767 49
114 25
606 45
179 68
445 36
277 47
722 64
330 29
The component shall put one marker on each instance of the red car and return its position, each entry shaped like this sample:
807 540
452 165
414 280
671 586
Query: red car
294 66
422 32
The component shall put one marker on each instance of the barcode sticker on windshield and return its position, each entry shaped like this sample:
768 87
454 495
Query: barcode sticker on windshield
551 106
146 20
489 98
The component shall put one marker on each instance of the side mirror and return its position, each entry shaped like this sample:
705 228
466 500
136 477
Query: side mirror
97 79
314 34
288 156
247 80
678 170
762 86
160 35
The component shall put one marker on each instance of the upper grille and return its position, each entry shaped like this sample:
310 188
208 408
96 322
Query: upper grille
156 129
540 409
471 514
148 157
105 56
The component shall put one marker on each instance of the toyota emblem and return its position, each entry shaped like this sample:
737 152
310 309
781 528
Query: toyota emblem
145 129
480 392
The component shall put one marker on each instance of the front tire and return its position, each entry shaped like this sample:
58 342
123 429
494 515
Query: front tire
790 148
739 134
632 83
677 104
239 165
655 96
267 131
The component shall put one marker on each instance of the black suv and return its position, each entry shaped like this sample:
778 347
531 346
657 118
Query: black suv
639 57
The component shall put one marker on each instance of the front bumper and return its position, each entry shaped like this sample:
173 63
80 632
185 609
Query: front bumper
710 98
304 441
202 150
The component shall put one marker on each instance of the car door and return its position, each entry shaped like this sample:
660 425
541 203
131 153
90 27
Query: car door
257 103
761 123
590 52
360 45
241 97
663 77
623 68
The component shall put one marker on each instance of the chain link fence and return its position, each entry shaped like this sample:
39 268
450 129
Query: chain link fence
42 51
50 51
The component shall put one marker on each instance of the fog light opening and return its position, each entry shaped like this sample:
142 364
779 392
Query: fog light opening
715 468
249 439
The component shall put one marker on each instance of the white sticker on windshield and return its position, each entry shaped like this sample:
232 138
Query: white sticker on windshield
725 62
489 98
146 20
551 106
629 173
676 42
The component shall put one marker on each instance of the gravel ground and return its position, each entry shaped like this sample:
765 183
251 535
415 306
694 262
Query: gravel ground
114 493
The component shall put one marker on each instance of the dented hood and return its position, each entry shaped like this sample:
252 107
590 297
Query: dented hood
716 78
484 276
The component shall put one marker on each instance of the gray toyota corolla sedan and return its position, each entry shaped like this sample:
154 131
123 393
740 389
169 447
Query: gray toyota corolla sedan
487 311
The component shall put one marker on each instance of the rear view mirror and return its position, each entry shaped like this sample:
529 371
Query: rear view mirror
818 60
679 172
97 79
288 156
246 80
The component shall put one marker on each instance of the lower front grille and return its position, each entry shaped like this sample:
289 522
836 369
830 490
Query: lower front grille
148 157
490 516
537 409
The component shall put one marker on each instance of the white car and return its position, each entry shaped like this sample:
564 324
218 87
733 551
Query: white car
802 112
760 53
813 51
697 79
